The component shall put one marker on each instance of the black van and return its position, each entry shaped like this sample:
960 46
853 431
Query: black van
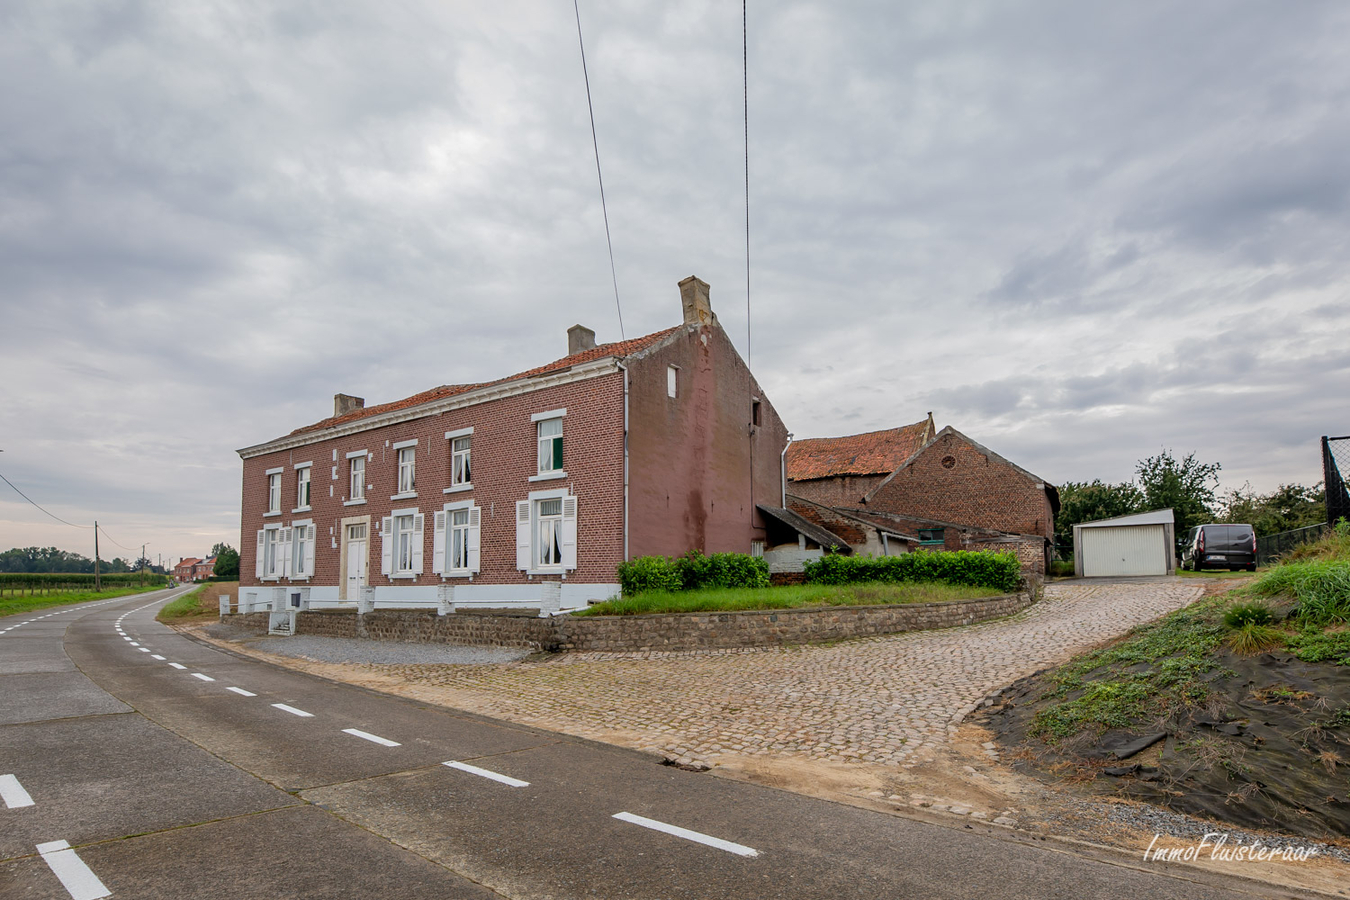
1229 547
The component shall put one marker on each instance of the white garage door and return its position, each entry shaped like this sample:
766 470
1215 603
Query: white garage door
1126 550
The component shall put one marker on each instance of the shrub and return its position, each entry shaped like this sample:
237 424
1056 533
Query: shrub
1250 638
977 568
692 572
1242 614
1321 587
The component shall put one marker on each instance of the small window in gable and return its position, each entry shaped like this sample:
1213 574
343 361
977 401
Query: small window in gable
754 412
672 381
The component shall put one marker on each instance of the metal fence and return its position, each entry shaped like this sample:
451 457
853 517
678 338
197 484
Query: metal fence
1335 466
1273 546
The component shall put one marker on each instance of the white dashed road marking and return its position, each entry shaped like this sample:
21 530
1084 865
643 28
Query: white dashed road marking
79 880
157 656
12 793
202 677
241 692
695 836
484 773
373 738
144 649
293 711
178 665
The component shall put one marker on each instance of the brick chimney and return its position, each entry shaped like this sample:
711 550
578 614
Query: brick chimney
694 299
345 403
580 338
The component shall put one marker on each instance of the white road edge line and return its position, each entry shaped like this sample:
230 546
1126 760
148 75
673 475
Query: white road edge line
202 677
373 738
474 770
241 692
12 793
695 836
79 880
293 711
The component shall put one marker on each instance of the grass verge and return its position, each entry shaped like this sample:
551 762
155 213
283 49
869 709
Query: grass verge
13 606
203 603
785 597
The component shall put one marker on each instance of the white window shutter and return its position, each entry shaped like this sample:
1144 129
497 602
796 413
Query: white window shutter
419 521
286 535
438 545
309 550
569 533
475 542
524 554
262 553
387 545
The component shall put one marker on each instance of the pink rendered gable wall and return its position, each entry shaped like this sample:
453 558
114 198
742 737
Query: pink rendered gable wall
691 458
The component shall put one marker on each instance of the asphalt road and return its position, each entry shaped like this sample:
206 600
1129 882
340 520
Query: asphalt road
172 769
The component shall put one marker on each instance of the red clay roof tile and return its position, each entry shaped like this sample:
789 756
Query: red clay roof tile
873 453
618 348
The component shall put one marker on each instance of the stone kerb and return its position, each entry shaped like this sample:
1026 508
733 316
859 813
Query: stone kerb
669 631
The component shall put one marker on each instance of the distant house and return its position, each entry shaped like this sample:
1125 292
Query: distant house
524 491
946 492
204 569
183 572
840 471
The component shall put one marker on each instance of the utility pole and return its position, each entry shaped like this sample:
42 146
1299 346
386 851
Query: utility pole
98 581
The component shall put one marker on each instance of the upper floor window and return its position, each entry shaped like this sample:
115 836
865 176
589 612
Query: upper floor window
302 487
672 381
461 472
550 445
357 476
407 465
274 491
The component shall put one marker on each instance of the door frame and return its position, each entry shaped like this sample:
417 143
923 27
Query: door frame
342 558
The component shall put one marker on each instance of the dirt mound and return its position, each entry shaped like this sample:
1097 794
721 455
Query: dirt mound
1268 748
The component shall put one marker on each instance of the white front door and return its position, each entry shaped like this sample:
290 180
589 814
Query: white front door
356 560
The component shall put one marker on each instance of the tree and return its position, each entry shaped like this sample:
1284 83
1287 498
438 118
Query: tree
1186 487
1088 502
1288 507
218 549
227 562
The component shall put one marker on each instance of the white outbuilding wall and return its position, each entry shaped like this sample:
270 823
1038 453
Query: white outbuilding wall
1141 544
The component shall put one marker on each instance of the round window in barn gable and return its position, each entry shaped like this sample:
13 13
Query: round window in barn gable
948 462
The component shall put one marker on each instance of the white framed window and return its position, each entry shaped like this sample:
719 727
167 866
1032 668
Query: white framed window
550 439
302 550
407 470
401 551
274 552
302 486
274 492
672 381
546 533
461 460
457 539
356 477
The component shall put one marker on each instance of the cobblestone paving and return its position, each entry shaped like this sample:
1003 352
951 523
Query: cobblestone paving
884 701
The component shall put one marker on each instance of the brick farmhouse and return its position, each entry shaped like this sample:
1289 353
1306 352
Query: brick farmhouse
886 492
525 491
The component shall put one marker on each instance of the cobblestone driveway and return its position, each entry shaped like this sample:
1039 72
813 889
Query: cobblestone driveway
883 701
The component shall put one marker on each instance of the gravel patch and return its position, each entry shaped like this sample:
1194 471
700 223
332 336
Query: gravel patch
376 653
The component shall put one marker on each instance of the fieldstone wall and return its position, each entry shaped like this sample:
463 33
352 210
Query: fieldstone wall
674 631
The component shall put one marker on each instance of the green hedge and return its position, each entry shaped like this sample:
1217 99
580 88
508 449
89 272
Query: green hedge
978 568
46 582
692 572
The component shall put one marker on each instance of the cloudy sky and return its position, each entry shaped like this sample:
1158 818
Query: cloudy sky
1080 233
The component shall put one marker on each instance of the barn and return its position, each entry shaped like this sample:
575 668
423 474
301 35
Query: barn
1139 544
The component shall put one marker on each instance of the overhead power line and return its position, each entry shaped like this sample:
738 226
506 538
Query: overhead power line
30 500
599 176
104 532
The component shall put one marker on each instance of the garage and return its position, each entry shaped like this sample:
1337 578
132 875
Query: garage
1140 544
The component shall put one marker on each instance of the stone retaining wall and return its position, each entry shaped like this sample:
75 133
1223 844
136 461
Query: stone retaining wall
674 631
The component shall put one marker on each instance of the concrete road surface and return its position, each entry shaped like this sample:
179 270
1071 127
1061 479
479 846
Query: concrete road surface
135 762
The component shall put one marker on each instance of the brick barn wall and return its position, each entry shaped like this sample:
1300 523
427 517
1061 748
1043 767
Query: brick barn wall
504 456
976 490
691 458
845 490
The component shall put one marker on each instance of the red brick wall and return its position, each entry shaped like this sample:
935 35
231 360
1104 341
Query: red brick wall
846 490
976 490
504 456
696 471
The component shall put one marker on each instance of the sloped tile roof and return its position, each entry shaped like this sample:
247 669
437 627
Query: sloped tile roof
620 349
873 453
